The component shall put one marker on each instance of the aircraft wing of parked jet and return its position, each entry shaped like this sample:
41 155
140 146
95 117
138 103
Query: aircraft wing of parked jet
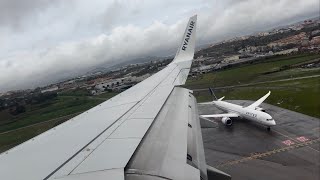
222 115
150 131
259 101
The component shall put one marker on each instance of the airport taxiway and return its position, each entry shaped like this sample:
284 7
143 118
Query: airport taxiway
291 150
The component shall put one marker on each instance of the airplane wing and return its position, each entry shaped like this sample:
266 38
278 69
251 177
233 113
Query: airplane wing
221 115
150 131
259 101
206 103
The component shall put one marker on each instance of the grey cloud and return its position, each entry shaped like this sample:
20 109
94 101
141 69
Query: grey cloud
249 16
112 15
75 58
14 12
216 21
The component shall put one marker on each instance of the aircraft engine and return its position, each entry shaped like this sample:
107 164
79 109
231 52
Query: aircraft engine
260 109
227 121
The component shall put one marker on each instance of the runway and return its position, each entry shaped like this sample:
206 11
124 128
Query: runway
291 150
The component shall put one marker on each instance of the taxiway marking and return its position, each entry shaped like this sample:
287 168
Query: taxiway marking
288 142
302 139
292 141
268 153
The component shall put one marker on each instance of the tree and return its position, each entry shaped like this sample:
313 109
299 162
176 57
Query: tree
17 109
20 109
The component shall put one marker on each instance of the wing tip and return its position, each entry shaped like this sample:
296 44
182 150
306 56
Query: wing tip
187 45
268 93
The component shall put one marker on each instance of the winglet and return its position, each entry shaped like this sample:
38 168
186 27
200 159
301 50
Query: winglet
186 49
220 99
259 101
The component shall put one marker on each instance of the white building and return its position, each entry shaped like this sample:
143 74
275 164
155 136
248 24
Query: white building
109 84
116 83
231 58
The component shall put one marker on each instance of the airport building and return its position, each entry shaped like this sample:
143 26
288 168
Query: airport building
120 83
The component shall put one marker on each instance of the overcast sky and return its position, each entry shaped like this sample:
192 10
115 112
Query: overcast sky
42 41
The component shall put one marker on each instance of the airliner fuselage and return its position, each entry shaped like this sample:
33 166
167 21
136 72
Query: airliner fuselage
246 113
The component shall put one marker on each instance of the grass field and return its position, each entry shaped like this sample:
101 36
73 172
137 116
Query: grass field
41 117
15 137
254 73
297 95
59 107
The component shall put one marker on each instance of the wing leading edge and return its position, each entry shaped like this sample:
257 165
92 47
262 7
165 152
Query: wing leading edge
221 115
259 101
100 142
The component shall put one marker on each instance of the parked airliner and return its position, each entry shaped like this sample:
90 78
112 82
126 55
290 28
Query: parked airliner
252 112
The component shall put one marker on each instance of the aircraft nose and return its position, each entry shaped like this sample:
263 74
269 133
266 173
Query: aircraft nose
273 123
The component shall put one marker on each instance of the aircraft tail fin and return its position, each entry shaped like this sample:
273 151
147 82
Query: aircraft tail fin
186 49
212 93
220 99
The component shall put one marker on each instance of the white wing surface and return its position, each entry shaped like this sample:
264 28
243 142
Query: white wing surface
259 101
221 115
99 143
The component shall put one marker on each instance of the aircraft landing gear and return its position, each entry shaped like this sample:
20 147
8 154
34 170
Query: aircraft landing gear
268 128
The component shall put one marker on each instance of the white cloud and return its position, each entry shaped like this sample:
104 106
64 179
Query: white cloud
71 38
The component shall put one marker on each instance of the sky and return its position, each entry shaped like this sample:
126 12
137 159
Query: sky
43 41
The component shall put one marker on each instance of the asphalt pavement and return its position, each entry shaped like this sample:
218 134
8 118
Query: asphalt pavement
246 150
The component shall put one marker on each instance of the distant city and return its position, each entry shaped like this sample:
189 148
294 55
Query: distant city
300 37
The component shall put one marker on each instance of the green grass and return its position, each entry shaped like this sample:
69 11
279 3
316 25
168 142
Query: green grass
50 113
254 73
11 139
59 107
75 92
107 95
63 105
